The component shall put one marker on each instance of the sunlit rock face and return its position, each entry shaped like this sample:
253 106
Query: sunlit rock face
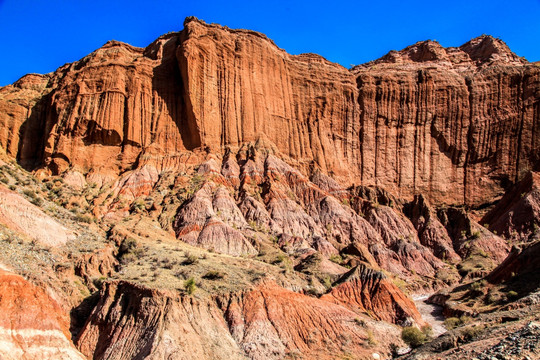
455 124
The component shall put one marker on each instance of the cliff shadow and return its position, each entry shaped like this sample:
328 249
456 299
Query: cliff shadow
33 134
168 83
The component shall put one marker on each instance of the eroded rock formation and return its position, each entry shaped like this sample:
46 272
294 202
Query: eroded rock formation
364 289
32 325
292 168
135 322
456 124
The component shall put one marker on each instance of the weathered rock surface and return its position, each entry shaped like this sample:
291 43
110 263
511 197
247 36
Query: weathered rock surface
32 325
20 215
455 124
521 261
517 214
364 289
131 321
270 322
275 201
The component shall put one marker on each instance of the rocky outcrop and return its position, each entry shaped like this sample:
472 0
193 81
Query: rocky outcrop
420 120
275 202
517 214
522 260
32 325
469 237
96 266
270 322
131 321
366 290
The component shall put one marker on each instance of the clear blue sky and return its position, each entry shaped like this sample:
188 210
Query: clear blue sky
41 35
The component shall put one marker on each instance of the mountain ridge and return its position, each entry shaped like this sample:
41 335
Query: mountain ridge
332 116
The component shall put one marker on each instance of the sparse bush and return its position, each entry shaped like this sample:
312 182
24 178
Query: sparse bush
129 244
511 295
492 298
83 218
327 282
181 274
477 288
37 201
29 193
370 338
280 259
214 275
190 259
471 332
167 264
452 323
413 336
428 331
336 258
190 286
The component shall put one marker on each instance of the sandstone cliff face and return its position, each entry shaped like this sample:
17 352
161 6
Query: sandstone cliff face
32 325
456 124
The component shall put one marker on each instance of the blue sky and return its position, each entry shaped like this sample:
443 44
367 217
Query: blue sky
41 35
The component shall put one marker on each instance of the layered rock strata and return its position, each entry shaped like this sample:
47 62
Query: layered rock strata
32 325
456 124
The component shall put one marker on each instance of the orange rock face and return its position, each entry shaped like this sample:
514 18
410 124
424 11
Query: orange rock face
455 124
366 290
32 325
267 322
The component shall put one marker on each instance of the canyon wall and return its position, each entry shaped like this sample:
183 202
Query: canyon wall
457 124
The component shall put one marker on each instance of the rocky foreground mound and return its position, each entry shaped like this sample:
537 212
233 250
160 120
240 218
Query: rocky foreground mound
211 196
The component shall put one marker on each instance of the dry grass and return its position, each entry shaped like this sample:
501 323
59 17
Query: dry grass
167 263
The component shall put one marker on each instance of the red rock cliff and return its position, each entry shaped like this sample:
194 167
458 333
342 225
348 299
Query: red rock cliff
457 124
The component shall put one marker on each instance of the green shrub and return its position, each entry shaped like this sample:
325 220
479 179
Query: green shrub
190 286
29 193
327 282
477 288
428 331
512 295
452 323
37 201
336 258
413 336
